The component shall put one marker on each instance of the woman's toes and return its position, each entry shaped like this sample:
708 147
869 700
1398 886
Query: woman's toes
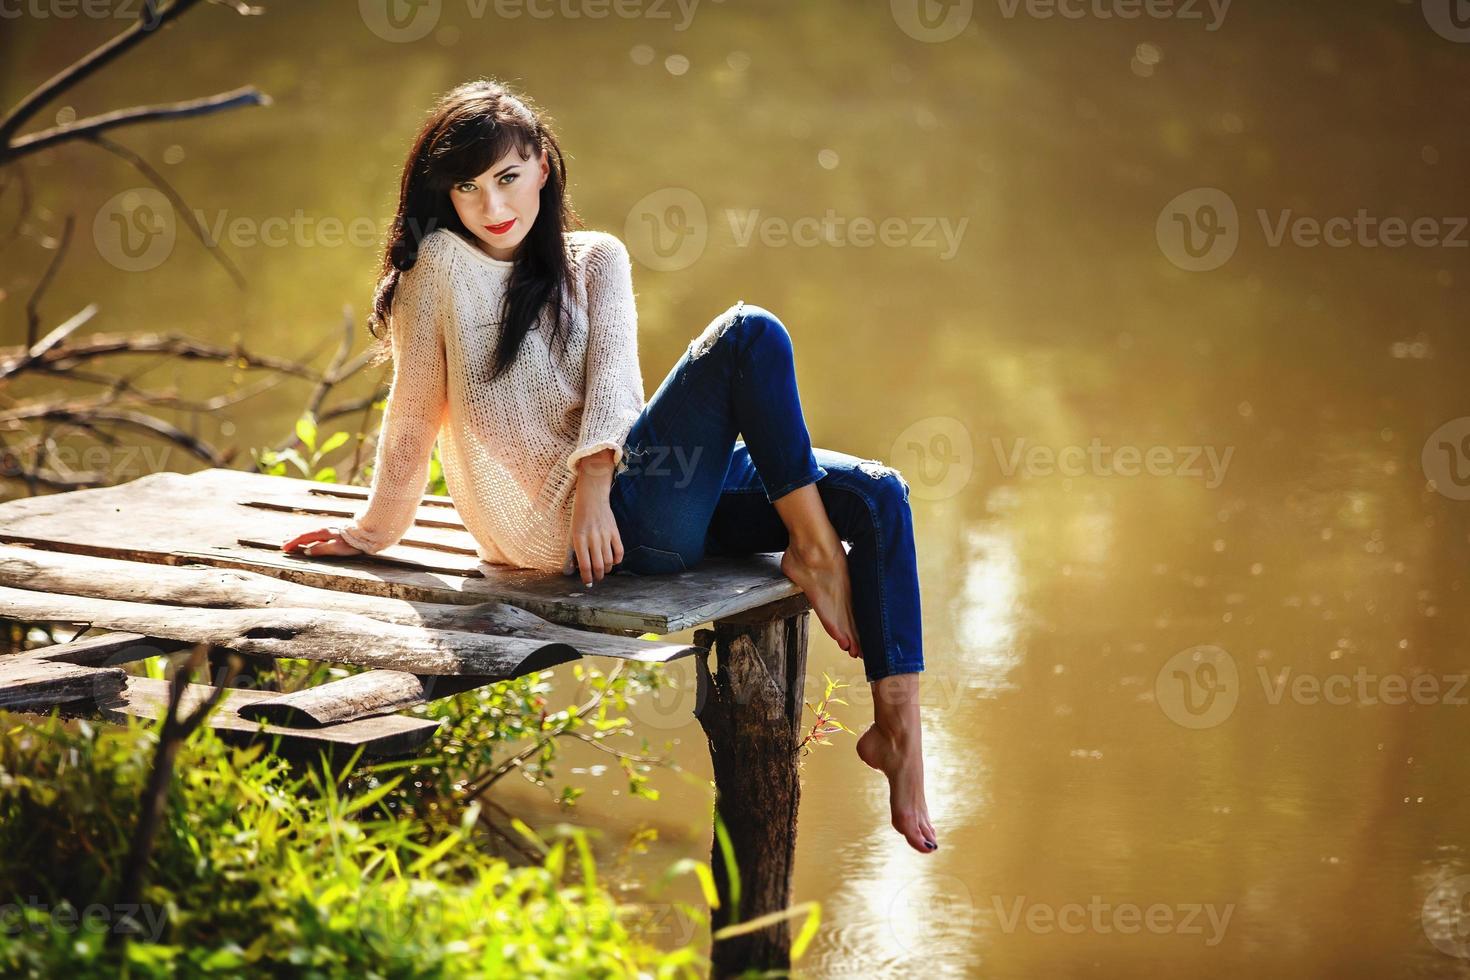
916 839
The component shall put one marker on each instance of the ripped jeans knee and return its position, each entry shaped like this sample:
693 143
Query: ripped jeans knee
878 470
702 344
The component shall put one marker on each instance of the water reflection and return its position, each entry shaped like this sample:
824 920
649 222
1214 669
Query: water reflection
982 650
897 917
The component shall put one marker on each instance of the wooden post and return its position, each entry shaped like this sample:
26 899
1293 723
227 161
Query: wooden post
751 712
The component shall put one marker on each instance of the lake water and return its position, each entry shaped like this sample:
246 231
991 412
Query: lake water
1183 412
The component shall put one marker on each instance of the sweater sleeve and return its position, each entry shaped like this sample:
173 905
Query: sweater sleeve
613 398
417 402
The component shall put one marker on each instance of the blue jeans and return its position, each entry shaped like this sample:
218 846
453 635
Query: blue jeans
687 487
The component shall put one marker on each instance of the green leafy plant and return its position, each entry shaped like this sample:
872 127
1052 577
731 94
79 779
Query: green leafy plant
825 723
308 465
260 868
510 728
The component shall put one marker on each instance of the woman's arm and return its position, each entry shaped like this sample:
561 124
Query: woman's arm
614 380
417 403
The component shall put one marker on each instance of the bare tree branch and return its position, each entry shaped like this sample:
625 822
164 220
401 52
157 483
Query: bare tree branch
124 403
123 417
151 19
35 352
175 345
33 315
93 125
180 205
174 731
23 178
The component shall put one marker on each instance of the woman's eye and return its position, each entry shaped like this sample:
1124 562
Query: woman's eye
466 186
509 177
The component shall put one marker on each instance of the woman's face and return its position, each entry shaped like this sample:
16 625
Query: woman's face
501 204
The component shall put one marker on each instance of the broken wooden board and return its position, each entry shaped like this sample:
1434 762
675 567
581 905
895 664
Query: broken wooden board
373 692
302 633
175 519
30 684
147 698
88 576
105 649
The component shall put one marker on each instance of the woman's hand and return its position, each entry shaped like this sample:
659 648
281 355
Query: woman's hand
324 541
596 543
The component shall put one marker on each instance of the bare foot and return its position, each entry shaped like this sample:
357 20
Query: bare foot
822 575
899 758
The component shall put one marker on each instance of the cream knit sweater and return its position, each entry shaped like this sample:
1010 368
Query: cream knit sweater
509 447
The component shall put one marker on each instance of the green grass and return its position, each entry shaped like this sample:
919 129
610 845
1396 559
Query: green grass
262 869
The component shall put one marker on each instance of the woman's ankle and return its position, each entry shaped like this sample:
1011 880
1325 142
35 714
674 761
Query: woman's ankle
817 551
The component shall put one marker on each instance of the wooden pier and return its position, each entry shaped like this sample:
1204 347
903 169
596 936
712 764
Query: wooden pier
170 561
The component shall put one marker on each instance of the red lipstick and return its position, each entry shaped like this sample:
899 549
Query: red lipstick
500 229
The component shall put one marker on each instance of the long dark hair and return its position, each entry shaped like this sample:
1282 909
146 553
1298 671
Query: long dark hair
466 132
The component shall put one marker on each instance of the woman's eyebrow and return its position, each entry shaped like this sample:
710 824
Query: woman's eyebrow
504 169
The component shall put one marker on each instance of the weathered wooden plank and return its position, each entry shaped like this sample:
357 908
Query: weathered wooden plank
29 683
660 604
325 635
373 692
760 615
412 553
204 585
145 697
751 715
361 494
178 519
104 649
341 513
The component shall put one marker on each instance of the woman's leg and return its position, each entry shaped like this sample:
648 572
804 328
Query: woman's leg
737 377
867 504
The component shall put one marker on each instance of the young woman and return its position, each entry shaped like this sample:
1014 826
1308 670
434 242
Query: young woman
514 344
